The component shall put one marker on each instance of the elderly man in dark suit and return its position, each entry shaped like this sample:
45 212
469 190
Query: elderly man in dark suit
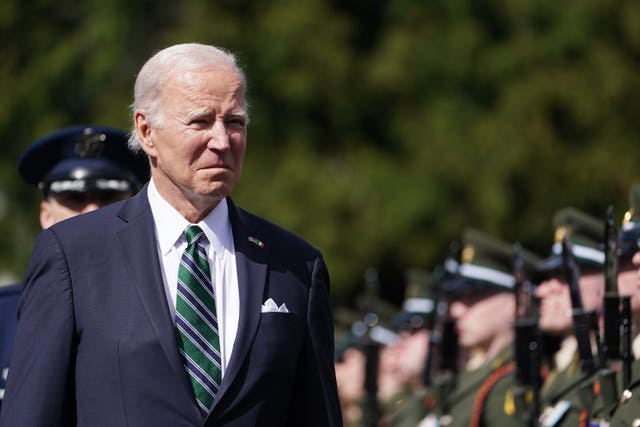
176 307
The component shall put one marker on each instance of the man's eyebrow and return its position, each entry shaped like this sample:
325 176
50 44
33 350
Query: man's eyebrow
238 113
198 112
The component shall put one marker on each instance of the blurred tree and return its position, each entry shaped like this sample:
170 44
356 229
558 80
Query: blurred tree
378 130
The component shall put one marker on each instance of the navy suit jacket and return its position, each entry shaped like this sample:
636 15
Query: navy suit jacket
96 345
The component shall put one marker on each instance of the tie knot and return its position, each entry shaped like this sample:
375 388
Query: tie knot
194 233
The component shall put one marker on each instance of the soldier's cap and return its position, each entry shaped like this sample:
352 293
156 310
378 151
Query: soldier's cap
83 158
486 265
586 236
629 236
357 328
419 304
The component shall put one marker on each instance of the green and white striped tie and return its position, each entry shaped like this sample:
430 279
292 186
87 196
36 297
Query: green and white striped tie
197 322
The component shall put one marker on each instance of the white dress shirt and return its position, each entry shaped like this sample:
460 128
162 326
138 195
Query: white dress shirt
169 228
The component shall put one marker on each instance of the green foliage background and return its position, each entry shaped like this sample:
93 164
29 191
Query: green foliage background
380 129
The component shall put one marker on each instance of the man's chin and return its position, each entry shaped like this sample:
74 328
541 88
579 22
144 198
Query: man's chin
215 192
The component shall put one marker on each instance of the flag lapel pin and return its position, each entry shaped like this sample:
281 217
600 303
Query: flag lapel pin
256 242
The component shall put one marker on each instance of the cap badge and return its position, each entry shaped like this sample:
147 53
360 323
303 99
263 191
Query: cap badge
468 253
628 216
90 144
560 233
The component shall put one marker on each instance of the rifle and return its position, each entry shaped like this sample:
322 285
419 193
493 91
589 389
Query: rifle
443 341
627 355
441 363
527 341
581 318
611 299
616 308
436 334
610 346
371 348
445 380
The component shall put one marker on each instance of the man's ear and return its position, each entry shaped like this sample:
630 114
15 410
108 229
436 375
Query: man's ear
46 219
144 132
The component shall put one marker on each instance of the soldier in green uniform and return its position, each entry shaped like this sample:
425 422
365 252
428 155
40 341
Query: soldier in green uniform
364 340
414 324
482 302
435 376
568 392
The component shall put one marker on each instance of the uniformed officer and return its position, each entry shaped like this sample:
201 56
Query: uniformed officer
482 302
627 412
413 324
437 378
78 169
568 392
365 360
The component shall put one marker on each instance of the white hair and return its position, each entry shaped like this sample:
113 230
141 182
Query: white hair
166 63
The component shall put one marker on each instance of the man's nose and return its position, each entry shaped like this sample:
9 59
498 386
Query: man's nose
636 260
457 309
219 137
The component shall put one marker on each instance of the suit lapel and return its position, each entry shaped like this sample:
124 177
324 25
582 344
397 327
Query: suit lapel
251 264
138 247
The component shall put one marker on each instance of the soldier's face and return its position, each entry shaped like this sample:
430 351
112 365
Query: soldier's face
57 207
555 306
350 376
413 348
481 322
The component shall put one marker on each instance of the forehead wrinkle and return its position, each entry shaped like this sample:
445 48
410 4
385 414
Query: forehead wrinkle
198 102
227 83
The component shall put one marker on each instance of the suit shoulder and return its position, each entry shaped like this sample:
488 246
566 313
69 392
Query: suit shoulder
94 220
276 233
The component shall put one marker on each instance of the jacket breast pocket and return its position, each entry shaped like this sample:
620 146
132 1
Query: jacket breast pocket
278 342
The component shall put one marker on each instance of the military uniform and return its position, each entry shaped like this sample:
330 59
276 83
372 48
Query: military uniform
627 412
413 323
479 397
480 392
570 395
422 307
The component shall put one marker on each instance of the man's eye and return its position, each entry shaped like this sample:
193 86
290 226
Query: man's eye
236 122
199 122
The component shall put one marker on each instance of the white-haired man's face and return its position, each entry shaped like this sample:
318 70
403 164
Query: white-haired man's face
198 151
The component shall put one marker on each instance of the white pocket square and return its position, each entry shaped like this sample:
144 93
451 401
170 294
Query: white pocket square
270 306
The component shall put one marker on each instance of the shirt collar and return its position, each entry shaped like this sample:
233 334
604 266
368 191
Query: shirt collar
170 225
